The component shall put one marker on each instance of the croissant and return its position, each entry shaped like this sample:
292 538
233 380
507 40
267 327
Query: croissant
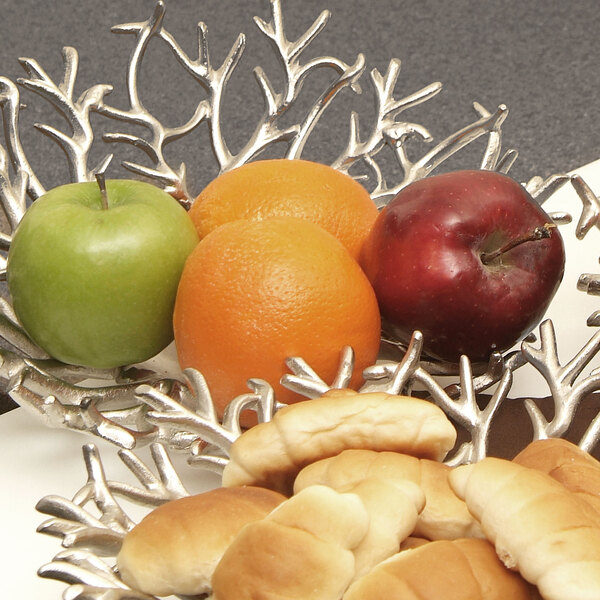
271 454
537 526
302 550
445 516
176 547
462 569
577 470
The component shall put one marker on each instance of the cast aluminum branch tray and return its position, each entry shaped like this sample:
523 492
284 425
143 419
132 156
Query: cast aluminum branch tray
548 379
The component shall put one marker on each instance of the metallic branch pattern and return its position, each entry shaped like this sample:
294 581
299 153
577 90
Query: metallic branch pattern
142 406
137 407
566 386
88 539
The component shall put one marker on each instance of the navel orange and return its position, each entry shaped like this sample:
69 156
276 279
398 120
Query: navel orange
254 293
295 188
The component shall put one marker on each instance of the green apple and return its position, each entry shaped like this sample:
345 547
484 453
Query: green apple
93 273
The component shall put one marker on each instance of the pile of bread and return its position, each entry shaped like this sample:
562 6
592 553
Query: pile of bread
346 497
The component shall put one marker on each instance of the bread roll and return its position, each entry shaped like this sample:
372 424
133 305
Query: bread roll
463 569
393 508
445 516
176 547
271 454
538 526
302 550
577 470
413 542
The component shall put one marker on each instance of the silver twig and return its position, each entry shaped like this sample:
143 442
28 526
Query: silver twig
11 104
88 537
590 215
160 135
76 112
567 393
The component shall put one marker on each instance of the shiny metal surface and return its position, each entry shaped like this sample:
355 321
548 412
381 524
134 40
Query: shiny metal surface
175 408
157 406
140 405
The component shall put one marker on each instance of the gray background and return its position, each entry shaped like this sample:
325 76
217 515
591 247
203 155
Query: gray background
540 58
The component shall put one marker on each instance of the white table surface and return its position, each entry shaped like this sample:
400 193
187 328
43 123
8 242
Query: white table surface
36 461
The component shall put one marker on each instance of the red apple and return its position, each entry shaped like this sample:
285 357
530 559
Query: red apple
467 258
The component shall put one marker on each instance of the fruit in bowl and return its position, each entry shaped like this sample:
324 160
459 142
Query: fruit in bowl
94 284
468 258
254 293
288 188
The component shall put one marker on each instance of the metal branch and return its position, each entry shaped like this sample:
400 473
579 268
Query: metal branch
385 126
15 203
138 114
306 381
459 402
13 194
80 528
561 380
590 215
489 124
169 413
454 143
541 189
76 112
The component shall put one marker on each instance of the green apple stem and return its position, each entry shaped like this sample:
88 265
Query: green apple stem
539 233
103 193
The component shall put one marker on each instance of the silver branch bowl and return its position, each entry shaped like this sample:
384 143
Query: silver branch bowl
154 404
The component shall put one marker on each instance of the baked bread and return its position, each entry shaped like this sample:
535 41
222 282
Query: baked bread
537 526
393 508
566 462
271 454
445 516
413 542
302 550
176 547
463 569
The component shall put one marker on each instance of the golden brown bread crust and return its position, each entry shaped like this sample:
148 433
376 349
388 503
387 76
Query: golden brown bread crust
463 569
413 542
445 516
176 547
537 526
393 508
271 454
302 550
566 462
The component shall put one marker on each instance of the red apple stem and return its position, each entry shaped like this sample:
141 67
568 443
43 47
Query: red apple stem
539 233
103 193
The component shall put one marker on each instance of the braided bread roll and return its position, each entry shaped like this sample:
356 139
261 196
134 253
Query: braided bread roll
463 569
577 470
302 550
393 508
538 526
271 454
445 516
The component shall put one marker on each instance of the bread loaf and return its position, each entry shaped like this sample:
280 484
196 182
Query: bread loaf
271 454
537 526
577 470
463 569
302 550
176 547
445 516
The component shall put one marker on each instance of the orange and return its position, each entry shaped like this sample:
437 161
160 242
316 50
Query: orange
294 188
254 293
